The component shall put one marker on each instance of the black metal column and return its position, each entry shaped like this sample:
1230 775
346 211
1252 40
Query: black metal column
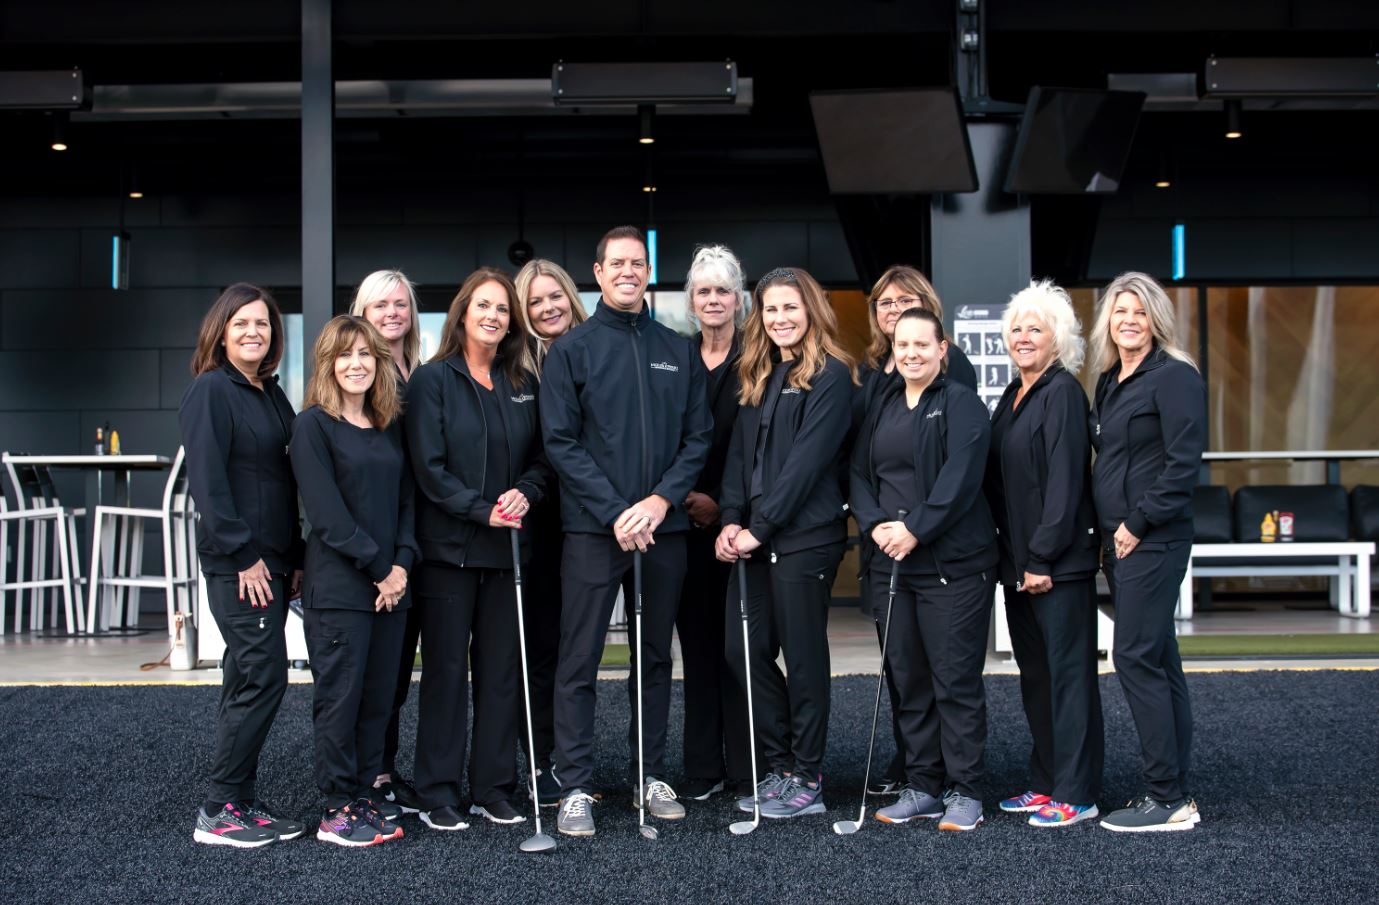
318 171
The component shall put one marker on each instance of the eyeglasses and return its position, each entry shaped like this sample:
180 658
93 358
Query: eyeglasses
905 301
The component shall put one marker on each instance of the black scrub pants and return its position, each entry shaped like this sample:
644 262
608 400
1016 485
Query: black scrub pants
541 606
1144 589
593 569
406 664
475 624
354 669
255 677
1054 638
936 654
715 741
787 612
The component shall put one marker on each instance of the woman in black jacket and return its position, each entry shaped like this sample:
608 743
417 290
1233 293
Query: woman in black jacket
474 439
785 512
1038 484
356 485
235 424
1149 425
922 452
716 746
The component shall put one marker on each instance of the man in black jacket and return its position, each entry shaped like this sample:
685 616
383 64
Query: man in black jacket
627 431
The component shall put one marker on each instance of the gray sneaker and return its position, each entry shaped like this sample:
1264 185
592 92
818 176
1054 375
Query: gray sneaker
766 790
796 798
962 813
660 801
1145 815
576 816
913 805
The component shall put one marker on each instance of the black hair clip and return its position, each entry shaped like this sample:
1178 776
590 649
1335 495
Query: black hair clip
779 275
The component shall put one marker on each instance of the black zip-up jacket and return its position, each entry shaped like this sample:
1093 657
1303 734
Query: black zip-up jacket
952 433
236 438
624 415
723 408
356 487
448 443
803 500
1042 472
1149 432
875 380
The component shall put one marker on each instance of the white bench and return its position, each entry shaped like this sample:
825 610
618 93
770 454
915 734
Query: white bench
1000 627
1351 569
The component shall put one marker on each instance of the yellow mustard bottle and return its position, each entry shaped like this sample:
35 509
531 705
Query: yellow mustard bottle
1268 529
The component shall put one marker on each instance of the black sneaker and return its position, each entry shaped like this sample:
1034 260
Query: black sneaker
387 809
547 787
371 812
697 788
497 812
884 786
258 811
443 818
1145 815
231 826
400 792
349 826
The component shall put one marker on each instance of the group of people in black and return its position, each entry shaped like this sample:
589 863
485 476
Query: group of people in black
603 452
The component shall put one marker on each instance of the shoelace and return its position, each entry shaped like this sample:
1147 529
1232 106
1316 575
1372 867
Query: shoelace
770 784
660 791
789 789
370 814
909 796
577 804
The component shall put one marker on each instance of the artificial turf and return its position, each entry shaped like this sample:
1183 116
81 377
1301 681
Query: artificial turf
1319 645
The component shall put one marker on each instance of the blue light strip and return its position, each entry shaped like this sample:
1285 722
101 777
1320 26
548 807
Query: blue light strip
1179 251
651 253
115 261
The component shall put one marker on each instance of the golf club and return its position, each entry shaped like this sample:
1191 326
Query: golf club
743 827
648 832
848 827
539 842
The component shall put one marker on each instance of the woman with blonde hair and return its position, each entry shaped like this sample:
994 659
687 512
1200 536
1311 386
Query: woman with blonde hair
351 468
548 305
1150 428
785 515
1038 482
388 301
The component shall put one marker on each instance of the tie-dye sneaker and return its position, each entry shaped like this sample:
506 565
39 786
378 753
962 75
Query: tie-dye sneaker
231 826
1058 813
351 827
1025 802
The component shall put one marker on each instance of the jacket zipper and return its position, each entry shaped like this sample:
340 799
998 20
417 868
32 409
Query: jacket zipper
641 409
483 447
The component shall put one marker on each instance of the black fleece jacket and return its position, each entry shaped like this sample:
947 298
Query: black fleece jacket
1150 433
952 434
1042 474
803 500
236 437
356 486
624 415
447 440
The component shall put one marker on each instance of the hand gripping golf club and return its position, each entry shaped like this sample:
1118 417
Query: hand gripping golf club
647 831
743 827
539 842
848 827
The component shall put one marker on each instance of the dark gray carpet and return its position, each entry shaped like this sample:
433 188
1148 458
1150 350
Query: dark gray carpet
100 785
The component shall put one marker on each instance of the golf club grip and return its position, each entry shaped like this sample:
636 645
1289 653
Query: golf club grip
895 569
516 557
742 587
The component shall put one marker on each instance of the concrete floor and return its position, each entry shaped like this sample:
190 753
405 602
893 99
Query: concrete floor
33 659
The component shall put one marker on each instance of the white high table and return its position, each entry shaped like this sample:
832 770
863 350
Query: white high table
113 490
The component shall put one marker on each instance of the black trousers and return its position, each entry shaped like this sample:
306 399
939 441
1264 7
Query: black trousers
255 678
354 667
715 741
593 569
541 607
475 625
1054 638
787 612
936 654
1144 589
876 609
406 664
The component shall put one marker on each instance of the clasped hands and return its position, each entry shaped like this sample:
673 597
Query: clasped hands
390 589
635 529
735 542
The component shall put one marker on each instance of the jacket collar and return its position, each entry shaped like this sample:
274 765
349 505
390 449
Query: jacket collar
458 362
622 320
238 377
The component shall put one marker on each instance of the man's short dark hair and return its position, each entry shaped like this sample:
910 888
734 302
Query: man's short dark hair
617 232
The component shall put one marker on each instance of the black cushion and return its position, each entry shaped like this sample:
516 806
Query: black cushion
1211 514
1321 512
1364 512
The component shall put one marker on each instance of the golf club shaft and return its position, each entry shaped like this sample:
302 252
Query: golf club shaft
880 680
637 660
747 664
526 681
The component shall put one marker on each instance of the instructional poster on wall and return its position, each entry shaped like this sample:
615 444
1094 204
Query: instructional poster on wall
977 331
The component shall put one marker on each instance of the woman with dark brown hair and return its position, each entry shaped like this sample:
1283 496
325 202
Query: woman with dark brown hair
348 456
235 423
474 437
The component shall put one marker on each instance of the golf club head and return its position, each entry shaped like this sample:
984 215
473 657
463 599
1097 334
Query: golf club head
742 827
648 832
846 827
538 843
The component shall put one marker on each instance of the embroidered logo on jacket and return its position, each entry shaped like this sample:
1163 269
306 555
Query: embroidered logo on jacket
525 397
934 414
788 390
665 366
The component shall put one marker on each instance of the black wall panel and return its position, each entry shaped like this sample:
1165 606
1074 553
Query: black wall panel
100 318
45 381
39 258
